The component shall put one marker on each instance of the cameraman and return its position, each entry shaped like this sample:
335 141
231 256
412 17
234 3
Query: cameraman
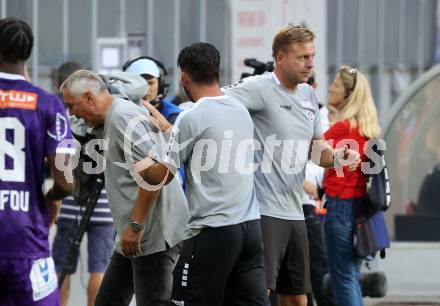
154 72
146 246
100 230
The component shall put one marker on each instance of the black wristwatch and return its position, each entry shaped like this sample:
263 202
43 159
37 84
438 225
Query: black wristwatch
136 227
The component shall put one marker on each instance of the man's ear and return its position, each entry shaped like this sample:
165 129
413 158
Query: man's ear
184 78
89 97
279 56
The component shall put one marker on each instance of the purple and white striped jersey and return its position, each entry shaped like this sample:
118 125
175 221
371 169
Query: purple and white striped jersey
33 125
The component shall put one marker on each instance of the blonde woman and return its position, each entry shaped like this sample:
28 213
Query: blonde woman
350 95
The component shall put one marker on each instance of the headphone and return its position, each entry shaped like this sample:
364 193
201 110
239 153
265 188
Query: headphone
163 85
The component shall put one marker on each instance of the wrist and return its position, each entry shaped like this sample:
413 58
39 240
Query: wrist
56 194
50 195
136 226
167 127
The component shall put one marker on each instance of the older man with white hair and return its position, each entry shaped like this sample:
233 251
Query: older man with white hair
146 245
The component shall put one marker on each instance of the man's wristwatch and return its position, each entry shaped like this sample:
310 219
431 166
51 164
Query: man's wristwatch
136 227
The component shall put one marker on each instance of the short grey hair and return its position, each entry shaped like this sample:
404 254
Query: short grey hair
81 81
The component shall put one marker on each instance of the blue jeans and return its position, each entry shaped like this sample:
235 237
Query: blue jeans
344 266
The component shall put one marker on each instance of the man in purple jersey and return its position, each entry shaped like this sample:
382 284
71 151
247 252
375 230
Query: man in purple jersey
33 127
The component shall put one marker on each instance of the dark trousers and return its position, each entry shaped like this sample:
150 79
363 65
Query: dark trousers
148 277
318 257
222 266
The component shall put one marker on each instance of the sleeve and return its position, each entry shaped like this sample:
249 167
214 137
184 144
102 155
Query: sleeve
311 172
317 129
133 135
59 139
181 142
247 92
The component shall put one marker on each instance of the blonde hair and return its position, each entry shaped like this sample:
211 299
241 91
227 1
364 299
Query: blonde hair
289 35
359 108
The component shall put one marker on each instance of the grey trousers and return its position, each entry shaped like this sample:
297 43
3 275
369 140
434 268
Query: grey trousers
149 278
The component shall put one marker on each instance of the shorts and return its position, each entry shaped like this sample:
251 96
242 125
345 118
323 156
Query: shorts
286 252
221 266
100 242
28 282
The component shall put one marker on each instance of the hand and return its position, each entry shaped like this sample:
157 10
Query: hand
158 118
311 189
131 242
54 208
347 157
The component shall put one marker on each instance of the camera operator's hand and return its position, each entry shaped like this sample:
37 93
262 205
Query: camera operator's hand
54 208
131 242
160 120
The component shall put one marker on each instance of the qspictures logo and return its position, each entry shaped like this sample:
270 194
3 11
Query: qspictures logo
144 145
18 99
